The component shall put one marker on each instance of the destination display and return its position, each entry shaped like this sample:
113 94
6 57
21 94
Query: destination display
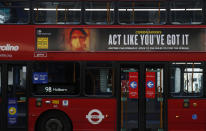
120 39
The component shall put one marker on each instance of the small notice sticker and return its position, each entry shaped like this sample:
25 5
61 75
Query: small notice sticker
42 43
65 102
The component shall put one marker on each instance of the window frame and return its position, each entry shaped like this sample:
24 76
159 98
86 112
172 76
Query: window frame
112 67
133 23
36 3
182 67
56 95
186 23
112 17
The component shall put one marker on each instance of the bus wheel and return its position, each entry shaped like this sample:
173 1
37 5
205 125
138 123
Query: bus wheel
53 121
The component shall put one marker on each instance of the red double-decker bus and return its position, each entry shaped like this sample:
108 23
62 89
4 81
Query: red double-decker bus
102 65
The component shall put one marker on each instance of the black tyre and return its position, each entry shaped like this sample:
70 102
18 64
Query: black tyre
54 121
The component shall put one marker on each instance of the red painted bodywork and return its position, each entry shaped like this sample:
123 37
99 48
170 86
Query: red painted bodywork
77 111
180 118
24 37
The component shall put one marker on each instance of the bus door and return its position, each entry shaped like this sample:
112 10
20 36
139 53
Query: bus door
142 101
16 97
129 98
154 99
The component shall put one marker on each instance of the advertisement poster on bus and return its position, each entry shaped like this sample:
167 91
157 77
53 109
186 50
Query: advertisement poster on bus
150 85
119 39
133 85
12 111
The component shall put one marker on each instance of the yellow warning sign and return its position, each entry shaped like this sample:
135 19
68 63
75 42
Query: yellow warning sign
12 110
42 42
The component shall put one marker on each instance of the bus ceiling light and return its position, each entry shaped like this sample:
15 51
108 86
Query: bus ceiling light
99 9
177 9
185 63
142 9
195 9
53 9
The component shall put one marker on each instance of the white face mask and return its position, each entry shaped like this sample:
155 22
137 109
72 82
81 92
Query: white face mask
75 43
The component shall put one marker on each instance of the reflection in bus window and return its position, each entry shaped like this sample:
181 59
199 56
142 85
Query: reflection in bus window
16 78
57 12
14 12
142 12
186 12
186 81
175 79
193 78
4 13
99 13
99 81
56 78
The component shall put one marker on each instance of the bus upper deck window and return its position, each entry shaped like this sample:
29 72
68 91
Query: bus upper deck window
142 12
57 12
14 12
186 11
99 13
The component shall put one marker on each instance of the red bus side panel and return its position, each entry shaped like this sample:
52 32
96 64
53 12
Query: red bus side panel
186 115
85 114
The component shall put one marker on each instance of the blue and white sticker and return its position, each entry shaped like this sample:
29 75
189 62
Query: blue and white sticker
150 84
12 111
133 84
40 78
194 116
65 103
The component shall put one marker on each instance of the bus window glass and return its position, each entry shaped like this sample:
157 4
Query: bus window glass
17 78
193 79
56 78
186 79
186 11
142 12
14 12
175 79
99 12
57 12
99 81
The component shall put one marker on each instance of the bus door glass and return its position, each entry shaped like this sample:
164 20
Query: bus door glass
129 98
16 91
154 98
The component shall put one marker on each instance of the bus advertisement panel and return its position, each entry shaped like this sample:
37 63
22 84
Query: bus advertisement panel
119 39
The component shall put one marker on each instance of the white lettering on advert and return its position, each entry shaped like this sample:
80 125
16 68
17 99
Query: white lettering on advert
9 47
